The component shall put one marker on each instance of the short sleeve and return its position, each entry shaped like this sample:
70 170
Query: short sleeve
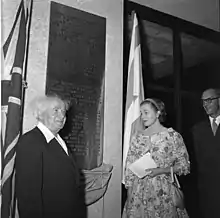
180 154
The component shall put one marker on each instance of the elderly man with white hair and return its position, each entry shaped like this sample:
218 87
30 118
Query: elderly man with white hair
47 178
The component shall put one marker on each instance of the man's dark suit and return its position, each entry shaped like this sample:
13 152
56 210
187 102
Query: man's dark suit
207 151
47 179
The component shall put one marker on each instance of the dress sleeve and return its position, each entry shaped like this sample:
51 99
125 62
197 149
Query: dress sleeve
129 176
180 154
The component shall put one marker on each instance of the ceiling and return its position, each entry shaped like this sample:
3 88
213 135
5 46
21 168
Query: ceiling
158 41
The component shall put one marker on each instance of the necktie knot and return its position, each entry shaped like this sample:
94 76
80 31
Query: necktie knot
214 126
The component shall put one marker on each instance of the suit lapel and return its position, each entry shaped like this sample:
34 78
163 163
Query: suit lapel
217 131
57 150
39 134
209 127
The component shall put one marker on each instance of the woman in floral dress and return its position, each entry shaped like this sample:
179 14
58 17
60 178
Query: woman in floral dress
151 196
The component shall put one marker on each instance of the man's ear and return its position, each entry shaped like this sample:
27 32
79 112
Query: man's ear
36 114
40 116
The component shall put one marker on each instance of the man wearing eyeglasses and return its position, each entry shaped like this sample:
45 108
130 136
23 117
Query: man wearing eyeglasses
206 136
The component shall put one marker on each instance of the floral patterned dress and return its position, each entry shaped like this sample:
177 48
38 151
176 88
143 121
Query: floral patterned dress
151 197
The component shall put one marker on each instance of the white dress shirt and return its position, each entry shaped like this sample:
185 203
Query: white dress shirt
217 120
49 136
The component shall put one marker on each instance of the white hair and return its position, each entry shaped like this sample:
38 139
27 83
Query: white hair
40 104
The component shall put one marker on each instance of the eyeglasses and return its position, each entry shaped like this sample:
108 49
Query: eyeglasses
209 100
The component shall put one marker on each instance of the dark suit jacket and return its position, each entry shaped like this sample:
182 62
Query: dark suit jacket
47 179
207 152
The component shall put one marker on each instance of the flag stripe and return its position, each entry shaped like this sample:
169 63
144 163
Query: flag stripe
19 57
129 98
7 172
9 39
17 70
134 41
11 146
137 67
9 58
14 100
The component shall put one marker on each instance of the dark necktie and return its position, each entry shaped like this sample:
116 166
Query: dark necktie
214 126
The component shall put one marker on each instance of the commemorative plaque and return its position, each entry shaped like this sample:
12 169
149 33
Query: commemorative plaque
76 71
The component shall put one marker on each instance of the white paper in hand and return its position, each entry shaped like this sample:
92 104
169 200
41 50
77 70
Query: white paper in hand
143 163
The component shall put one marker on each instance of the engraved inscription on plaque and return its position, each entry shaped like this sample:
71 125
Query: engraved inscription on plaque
75 71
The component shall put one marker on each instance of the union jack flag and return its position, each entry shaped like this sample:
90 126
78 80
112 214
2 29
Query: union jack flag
13 55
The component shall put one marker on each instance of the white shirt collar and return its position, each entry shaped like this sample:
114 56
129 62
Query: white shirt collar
49 136
217 120
46 132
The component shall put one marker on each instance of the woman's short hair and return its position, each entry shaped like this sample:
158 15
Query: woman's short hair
41 104
158 106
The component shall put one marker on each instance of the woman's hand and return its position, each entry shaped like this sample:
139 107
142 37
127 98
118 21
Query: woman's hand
155 172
